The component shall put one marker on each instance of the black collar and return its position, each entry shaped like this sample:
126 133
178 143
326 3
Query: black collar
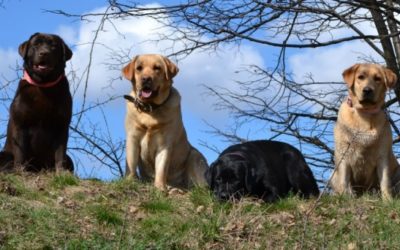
145 107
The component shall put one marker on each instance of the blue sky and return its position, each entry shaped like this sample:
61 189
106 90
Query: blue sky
20 19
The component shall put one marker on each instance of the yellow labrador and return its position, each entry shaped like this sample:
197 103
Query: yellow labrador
156 140
364 157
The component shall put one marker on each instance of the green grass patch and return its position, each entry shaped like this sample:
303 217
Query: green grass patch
106 215
201 196
12 185
158 206
125 185
64 180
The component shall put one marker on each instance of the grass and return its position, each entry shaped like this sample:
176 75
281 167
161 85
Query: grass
50 212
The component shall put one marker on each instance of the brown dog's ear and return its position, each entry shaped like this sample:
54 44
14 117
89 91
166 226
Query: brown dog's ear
23 48
67 52
349 75
390 78
170 69
129 70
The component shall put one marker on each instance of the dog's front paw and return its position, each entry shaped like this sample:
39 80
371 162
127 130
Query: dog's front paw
345 191
349 192
175 191
131 176
161 186
386 195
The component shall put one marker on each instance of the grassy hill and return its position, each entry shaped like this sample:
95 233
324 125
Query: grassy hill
48 212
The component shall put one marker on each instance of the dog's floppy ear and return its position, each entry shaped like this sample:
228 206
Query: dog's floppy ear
209 175
23 47
67 51
390 78
349 75
129 70
250 176
170 69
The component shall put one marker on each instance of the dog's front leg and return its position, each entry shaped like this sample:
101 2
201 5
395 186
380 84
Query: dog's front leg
132 156
60 156
161 169
20 149
340 182
384 179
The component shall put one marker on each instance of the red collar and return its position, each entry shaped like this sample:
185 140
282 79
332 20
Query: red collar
370 111
28 78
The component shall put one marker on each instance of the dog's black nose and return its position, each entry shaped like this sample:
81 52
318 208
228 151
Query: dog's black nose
147 80
368 92
43 53
223 196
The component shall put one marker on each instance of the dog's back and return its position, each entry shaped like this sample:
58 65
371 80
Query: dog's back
284 163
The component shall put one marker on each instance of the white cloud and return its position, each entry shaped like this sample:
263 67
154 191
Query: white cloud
328 63
120 36
131 36
68 34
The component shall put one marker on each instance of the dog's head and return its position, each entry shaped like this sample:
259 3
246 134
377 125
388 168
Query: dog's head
368 84
151 77
44 56
230 177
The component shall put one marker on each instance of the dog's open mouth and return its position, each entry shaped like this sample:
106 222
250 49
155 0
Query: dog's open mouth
42 68
147 93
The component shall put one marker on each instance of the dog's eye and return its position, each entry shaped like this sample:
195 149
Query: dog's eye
53 45
37 43
377 78
361 77
157 68
139 68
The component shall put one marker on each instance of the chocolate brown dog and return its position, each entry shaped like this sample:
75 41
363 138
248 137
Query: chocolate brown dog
40 113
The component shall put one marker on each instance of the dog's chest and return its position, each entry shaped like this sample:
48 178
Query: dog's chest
359 152
154 137
150 144
363 163
36 106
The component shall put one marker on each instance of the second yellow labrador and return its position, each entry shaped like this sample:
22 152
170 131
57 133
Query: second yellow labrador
364 157
156 140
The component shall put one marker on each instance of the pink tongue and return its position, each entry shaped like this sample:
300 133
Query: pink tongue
42 67
146 93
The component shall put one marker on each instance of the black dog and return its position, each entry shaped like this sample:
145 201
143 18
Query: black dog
265 169
40 113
